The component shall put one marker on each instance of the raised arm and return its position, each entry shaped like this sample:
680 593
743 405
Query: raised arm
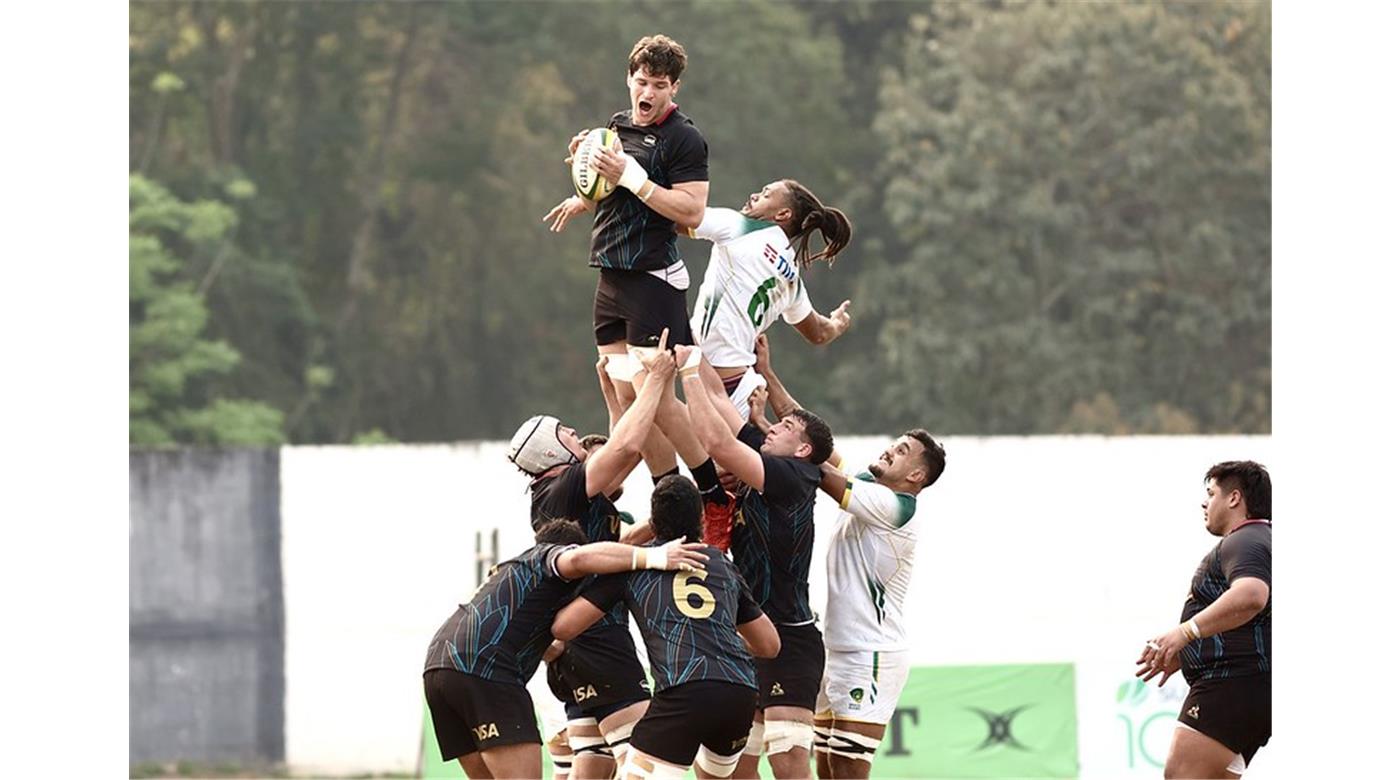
712 431
610 465
605 384
782 401
824 330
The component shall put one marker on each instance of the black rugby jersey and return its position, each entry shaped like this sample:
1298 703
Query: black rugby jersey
628 235
772 537
689 620
1247 649
502 633
606 645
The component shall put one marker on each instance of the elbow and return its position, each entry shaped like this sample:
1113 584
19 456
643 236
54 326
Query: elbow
769 648
561 630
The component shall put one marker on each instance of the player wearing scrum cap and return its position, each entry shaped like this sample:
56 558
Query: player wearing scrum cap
1224 643
598 677
477 663
702 630
663 177
869 563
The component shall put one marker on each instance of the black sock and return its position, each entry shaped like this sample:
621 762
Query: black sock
708 481
655 478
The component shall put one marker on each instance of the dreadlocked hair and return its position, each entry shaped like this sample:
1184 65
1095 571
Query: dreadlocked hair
810 216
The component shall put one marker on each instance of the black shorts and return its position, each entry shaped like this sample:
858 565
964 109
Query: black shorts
635 306
792 679
472 714
680 719
598 673
1237 712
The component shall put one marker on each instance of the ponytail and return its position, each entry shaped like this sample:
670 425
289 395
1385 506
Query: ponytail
810 216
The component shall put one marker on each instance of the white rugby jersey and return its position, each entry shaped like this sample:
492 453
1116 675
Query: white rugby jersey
868 566
752 279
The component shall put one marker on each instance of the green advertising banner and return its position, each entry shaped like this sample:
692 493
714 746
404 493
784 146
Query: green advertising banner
1006 721
983 721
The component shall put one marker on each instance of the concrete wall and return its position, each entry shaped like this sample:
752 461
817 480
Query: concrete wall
206 620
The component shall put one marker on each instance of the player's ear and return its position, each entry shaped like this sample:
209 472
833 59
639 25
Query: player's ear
675 88
916 477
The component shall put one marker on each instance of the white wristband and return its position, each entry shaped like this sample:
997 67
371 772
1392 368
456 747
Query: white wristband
634 176
1195 629
656 557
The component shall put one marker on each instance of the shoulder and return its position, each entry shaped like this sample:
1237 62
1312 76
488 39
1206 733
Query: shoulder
620 118
1251 538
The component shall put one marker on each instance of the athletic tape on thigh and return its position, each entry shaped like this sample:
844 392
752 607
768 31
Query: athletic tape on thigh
715 764
821 738
754 747
854 746
621 735
622 367
780 736
643 766
583 744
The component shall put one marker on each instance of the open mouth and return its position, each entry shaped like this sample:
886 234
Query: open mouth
644 106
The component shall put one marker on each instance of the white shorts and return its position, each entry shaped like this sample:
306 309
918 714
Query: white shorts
749 382
862 685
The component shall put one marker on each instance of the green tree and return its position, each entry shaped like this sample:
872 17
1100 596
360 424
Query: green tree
1081 194
170 359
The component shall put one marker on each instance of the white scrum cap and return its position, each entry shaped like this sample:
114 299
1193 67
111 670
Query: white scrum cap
535 448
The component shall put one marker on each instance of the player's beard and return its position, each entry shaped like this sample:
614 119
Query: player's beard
877 469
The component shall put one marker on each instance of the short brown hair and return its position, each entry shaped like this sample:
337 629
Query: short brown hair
1252 480
660 55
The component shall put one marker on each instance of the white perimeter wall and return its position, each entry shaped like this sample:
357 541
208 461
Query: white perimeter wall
1033 549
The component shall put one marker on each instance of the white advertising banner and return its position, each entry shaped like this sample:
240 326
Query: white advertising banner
1032 550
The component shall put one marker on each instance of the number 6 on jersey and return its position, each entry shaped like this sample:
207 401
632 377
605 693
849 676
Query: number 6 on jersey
686 591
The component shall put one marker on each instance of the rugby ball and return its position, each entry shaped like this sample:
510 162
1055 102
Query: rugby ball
587 182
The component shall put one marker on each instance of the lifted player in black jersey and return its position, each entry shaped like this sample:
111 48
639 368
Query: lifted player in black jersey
772 546
693 624
599 678
663 177
1224 644
480 658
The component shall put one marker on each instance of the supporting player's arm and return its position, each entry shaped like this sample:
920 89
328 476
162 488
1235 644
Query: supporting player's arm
682 203
778 395
712 431
782 401
605 384
824 330
606 469
761 637
614 557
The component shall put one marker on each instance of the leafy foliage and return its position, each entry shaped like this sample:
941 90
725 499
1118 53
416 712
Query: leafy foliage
1062 211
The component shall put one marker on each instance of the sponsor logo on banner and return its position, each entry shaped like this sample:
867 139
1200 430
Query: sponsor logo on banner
983 721
1147 715
999 728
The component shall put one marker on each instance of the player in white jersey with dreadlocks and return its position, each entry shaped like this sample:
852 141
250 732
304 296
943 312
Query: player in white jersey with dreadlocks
868 567
755 277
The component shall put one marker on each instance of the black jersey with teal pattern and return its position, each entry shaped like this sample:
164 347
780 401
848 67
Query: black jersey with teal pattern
503 631
627 234
607 644
688 619
772 537
566 495
1247 649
